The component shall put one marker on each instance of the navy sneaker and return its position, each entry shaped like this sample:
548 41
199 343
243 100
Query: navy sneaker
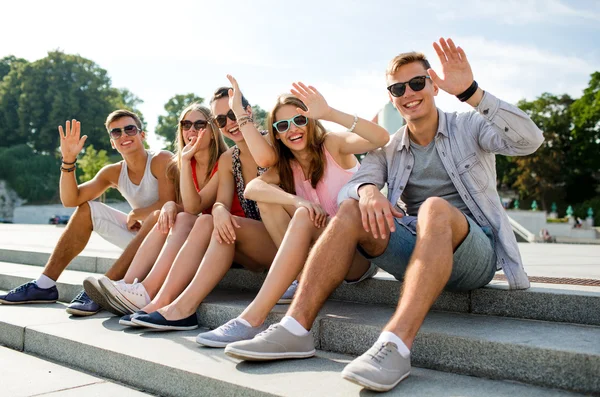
83 305
155 320
30 293
126 319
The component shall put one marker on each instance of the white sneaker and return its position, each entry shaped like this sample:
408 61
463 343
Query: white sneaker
132 297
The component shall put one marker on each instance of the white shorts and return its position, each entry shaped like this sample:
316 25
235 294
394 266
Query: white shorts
110 224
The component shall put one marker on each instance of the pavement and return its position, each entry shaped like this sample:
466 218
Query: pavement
544 260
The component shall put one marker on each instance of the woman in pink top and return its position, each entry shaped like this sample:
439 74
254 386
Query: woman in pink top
298 196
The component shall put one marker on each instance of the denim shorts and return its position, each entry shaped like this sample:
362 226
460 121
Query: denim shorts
474 263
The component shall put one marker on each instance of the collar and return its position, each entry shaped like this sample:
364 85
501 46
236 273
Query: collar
404 139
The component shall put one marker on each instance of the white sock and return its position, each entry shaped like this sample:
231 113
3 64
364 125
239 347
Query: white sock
387 336
45 282
246 323
293 326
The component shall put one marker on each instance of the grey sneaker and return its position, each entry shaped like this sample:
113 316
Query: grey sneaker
370 273
380 368
231 331
273 344
288 295
93 290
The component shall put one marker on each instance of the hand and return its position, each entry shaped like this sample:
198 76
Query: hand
166 219
455 68
314 101
192 147
224 225
376 211
70 142
317 214
132 223
235 97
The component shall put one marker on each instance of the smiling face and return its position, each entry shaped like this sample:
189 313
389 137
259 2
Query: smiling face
206 133
126 144
231 130
295 138
414 105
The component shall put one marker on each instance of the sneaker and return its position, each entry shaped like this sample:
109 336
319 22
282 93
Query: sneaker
30 293
156 320
96 293
232 331
126 319
83 305
273 344
370 273
288 295
131 297
380 368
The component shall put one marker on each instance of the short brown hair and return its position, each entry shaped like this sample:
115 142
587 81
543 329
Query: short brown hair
118 114
404 59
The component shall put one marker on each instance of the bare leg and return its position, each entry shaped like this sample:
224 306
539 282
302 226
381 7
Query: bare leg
71 242
256 250
276 218
119 268
154 258
441 228
185 265
330 261
288 263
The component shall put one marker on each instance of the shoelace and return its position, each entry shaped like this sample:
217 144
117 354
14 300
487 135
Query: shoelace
380 354
81 297
228 325
21 287
268 330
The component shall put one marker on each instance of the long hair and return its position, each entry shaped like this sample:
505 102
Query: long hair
217 145
315 138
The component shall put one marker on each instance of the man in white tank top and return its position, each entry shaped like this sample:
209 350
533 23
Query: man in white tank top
141 178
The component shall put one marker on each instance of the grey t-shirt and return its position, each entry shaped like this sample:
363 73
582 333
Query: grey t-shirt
429 178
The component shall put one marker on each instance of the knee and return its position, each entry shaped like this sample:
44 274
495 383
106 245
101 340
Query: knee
266 209
301 218
203 223
435 210
348 213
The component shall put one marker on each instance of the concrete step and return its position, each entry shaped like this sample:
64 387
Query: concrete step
542 353
26 375
172 364
548 302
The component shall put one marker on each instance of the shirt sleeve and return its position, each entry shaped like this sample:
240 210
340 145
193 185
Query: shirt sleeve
373 170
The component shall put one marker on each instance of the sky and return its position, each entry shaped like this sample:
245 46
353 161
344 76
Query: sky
518 49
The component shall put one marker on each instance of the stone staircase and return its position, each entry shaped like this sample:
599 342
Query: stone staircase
494 342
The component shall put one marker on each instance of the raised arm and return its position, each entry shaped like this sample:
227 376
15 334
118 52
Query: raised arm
72 194
499 127
362 135
259 147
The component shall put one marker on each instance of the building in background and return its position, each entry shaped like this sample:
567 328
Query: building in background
389 118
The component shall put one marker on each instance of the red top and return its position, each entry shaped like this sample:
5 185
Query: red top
236 207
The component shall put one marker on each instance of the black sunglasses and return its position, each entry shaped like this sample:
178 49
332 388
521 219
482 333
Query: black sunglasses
221 119
416 84
198 124
129 130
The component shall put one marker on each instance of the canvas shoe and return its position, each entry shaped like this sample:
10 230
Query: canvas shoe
82 305
155 320
96 293
232 331
30 293
273 344
131 297
381 368
288 295
126 319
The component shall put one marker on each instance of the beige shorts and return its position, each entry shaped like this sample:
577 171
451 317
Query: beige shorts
110 224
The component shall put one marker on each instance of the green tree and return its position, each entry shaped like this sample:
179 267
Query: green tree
260 117
91 163
36 97
167 124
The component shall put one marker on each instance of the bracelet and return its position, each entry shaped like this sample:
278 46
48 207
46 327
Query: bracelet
240 119
64 162
220 204
243 123
351 129
68 169
468 93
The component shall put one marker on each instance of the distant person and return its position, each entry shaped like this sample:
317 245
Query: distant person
454 234
141 177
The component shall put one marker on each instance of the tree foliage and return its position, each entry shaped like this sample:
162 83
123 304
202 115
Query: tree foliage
167 124
91 163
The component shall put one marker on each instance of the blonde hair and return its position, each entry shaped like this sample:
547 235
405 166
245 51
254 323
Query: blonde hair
119 114
315 138
404 59
217 146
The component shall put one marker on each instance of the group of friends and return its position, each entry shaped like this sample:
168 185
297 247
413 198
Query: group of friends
295 200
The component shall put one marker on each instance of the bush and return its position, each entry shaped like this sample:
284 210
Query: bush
580 210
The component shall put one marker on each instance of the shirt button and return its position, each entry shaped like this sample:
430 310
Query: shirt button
408 167
401 187
486 111
505 129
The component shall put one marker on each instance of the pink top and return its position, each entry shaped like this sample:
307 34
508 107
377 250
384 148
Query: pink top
334 178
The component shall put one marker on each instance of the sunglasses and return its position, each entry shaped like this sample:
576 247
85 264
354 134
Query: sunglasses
282 126
129 130
416 84
221 119
198 124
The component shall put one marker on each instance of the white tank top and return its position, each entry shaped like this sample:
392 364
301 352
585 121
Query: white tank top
144 194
